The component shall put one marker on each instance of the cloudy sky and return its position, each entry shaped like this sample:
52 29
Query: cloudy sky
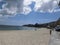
19 12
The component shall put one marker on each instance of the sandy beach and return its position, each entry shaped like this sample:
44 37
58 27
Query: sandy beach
25 37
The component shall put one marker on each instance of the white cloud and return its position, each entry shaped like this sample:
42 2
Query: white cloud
13 7
46 5
43 5
46 1
26 10
27 2
57 10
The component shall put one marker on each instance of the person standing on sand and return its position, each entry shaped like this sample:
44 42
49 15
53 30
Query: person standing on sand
50 32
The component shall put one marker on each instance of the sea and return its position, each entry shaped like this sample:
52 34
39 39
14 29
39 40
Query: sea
18 28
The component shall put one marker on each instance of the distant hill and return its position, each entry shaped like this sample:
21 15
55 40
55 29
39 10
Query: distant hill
47 25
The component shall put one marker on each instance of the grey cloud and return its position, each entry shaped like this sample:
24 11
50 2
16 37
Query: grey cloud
12 7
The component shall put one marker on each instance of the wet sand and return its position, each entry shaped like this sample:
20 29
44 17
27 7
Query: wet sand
25 37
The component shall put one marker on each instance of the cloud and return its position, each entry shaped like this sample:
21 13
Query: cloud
14 7
11 7
26 10
43 5
46 5
27 2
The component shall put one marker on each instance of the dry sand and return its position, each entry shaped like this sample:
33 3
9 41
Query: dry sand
25 37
